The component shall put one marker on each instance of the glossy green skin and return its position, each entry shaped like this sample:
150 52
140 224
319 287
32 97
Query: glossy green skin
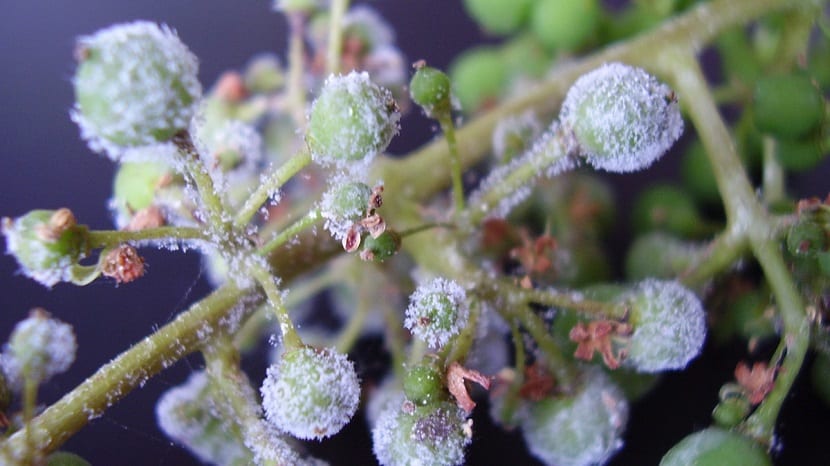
565 24
716 447
430 88
800 155
500 17
787 106
384 246
136 184
479 76
423 385
665 208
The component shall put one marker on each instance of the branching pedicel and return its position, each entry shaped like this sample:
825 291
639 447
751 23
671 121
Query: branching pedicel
518 253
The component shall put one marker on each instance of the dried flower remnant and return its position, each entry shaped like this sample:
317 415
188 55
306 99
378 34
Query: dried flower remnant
537 384
456 376
123 264
598 336
757 382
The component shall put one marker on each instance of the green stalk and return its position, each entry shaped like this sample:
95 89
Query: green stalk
274 182
290 338
106 238
290 232
448 128
337 11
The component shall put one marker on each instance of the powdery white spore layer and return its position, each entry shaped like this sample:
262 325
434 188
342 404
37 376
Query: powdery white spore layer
40 347
343 204
580 431
669 326
437 311
310 393
143 82
623 118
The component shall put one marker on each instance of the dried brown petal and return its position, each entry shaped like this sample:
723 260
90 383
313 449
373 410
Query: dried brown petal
123 264
456 375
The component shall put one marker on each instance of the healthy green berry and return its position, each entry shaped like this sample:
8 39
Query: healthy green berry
46 244
310 393
659 255
622 117
430 88
667 208
525 57
136 85
438 310
749 316
731 411
583 429
423 384
565 24
787 106
479 77
432 435
136 186
39 348
800 155
716 447
499 16
381 248
696 172
65 458
669 326
264 74
352 120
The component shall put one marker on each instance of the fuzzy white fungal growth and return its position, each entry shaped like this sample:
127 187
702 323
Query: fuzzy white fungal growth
136 85
351 121
434 435
437 311
365 22
39 348
514 134
343 204
310 393
583 430
187 414
623 118
669 326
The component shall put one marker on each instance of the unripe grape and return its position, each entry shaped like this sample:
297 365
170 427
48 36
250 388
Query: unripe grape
622 117
525 56
297 6
807 238
264 74
437 311
343 204
787 106
668 208
430 435
716 447
565 24
310 393
46 244
136 85
351 120
430 88
39 348
800 155
579 430
423 384
659 255
479 77
669 326
697 174
381 248
499 16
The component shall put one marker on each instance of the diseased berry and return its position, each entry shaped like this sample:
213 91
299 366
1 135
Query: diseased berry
434 435
437 311
352 120
716 447
136 85
310 393
344 204
579 430
39 348
622 117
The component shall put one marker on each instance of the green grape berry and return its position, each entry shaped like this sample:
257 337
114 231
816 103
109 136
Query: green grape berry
479 77
499 16
381 248
136 186
668 208
352 120
800 155
659 255
136 85
438 310
696 172
787 106
310 393
264 74
430 435
565 24
430 88
578 430
423 384
525 56
669 326
65 458
39 348
729 412
807 238
622 117
749 315
343 204
716 447
46 244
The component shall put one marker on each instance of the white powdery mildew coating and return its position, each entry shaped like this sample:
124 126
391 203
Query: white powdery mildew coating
435 438
343 204
186 414
310 393
369 25
669 326
42 346
58 271
233 139
438 310
525 126
625 118
142 70
583 431
351 121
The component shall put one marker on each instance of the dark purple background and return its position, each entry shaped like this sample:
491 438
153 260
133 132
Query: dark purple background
44 164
